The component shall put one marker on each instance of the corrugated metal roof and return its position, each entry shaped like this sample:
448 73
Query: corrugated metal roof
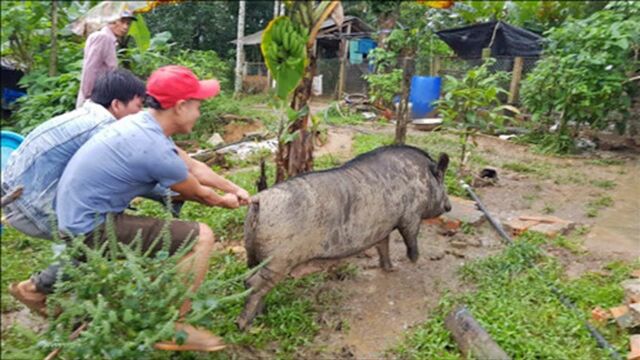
357 24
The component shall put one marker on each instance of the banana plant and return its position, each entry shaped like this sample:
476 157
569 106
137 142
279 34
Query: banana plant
287 46
284 49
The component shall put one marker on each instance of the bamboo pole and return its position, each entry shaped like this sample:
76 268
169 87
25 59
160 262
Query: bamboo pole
516 76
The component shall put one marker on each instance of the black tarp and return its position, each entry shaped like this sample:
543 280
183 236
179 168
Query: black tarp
468 42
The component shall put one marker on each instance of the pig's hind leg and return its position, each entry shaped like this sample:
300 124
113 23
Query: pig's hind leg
383 252
260 282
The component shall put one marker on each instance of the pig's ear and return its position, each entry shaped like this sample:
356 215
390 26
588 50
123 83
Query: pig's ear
443 162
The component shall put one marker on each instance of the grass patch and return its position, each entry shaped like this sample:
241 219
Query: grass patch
514 305
363 143
21 257
537 169
606 162
327 161
548 209
571 243
594 206
604 184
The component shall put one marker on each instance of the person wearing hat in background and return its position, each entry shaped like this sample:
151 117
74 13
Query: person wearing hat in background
127 159
100 53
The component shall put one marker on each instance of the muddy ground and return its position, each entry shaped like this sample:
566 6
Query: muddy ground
372 309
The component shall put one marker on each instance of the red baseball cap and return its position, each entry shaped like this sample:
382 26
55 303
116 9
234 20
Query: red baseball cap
171 83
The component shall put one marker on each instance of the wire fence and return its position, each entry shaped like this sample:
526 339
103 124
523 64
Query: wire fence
328 72
255 77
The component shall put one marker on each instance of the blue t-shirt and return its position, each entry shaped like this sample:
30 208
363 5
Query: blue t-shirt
41 158
124 160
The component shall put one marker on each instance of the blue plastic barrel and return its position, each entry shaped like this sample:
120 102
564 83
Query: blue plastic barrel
9 142
424 91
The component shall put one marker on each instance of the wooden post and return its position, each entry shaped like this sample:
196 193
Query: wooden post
472 339
405 109
516 75
436 66
343 63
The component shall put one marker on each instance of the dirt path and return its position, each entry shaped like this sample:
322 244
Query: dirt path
617 230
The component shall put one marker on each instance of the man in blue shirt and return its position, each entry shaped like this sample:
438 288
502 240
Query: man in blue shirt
129 158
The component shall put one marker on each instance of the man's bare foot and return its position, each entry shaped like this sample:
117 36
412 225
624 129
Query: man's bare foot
197 340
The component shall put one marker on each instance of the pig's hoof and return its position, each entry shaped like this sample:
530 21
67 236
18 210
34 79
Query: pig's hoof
389 269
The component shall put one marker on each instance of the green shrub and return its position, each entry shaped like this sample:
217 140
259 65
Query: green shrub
128 299
471 104
582 78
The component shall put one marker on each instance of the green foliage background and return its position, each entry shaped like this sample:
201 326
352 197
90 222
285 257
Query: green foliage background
582 77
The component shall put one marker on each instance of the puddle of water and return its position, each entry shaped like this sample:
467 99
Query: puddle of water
616 230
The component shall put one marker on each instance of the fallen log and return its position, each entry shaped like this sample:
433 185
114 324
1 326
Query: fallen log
472 339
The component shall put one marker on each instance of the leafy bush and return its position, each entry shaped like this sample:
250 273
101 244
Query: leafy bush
471 104
582 79
46 97
383 87
128 299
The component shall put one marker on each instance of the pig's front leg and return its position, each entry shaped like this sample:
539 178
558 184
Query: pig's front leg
409 230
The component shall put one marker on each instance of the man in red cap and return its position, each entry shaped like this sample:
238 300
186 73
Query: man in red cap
129 158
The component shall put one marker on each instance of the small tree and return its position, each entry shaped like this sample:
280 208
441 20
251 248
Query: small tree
471 104
288 48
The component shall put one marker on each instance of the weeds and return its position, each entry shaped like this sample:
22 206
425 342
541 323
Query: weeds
548 209
606 162
604 184
598 204
541 170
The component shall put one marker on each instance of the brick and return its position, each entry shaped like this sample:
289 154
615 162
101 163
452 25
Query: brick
623 316
634 345
446 225
516 227
600 315
554 229
549 225
634 309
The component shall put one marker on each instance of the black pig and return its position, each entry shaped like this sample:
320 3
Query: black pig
340 212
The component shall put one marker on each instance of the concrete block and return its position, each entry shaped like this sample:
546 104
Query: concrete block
464 211
549 225
631 291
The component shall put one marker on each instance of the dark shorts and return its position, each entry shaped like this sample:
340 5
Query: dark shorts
127 227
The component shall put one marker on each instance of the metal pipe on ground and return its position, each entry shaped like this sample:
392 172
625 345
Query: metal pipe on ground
600 340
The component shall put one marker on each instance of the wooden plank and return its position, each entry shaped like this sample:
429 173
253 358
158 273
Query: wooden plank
8 199
516 76
472 339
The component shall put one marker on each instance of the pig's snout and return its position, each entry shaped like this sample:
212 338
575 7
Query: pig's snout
447 206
